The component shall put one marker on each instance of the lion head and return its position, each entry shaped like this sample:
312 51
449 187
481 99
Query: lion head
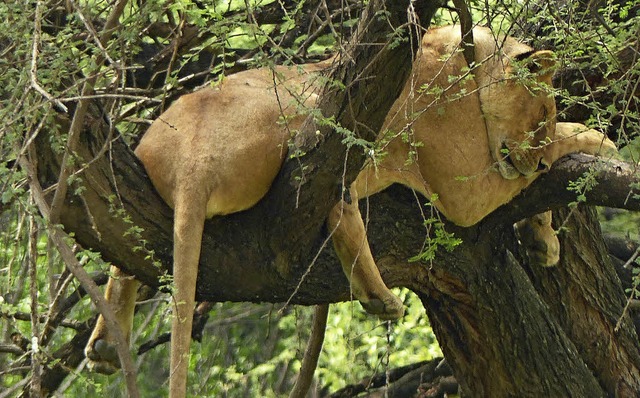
515 91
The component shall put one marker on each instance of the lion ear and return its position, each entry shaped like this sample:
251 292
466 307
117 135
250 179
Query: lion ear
541 63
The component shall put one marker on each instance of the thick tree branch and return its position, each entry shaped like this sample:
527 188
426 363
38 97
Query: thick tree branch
308 187
118 200
584 295
611 183
466 31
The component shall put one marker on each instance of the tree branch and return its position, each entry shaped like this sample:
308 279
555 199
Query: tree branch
60 240
80 113
466 31
611 183
119 200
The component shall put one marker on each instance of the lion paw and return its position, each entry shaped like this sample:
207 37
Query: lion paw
539 240
577 137
543 254
602 146
103 356
389 308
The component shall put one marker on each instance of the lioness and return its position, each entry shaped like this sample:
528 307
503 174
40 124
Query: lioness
475 141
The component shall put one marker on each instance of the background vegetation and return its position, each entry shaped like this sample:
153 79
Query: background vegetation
54 54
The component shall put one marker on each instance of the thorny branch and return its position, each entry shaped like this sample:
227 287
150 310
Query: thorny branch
33 71
77 122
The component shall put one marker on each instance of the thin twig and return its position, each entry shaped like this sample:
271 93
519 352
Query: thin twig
115 96
35 51
11 390
92 32
53 312
23 316
35 387
630 261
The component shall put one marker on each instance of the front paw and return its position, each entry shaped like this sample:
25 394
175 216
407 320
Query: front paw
539 240
601 145
608 149
585 140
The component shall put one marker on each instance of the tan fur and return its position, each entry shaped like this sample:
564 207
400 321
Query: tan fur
120 294
216 151
538 238
536 234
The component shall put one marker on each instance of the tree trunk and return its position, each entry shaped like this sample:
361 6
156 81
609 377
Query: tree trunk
584 294
499 334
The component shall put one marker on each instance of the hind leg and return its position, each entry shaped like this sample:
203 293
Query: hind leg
189 216
121 295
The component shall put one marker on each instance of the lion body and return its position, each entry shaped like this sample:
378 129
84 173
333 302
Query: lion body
469 143
234 151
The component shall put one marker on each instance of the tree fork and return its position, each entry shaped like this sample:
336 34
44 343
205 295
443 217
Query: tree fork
484 306
585 296
495 331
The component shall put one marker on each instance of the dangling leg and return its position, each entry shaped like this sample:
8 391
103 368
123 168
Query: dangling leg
189 216
121 295
351 245
536 234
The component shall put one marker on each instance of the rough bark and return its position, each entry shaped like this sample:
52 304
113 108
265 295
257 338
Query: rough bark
509 333
615 184
585 296
493 327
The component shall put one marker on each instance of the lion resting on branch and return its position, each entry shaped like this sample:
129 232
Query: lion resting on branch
467 137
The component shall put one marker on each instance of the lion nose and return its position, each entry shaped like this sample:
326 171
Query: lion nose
543 166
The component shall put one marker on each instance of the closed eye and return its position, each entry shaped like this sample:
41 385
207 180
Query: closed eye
540 130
